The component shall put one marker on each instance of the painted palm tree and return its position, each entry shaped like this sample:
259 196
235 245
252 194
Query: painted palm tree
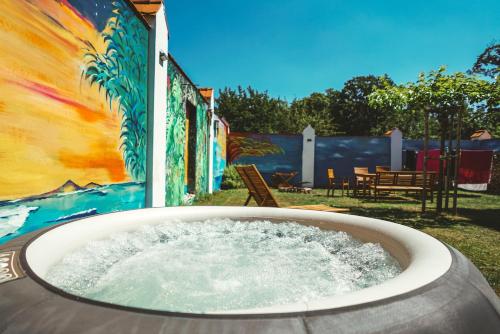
121 72
176 137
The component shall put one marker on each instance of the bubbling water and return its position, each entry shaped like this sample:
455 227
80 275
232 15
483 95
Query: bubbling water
221 265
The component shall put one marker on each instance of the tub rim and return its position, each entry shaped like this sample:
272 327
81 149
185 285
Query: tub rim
422 269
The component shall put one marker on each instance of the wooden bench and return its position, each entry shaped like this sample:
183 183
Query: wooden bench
403 181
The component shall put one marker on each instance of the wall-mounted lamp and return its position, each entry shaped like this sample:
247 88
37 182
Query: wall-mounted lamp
163 57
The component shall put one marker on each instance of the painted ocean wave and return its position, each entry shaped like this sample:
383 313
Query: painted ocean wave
76 215
13 218
54 209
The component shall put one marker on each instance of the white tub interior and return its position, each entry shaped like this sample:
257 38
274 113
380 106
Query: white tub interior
423 258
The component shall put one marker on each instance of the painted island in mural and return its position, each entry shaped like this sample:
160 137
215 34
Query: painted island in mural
73 103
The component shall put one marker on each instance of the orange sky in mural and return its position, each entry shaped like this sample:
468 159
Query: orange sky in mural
53 127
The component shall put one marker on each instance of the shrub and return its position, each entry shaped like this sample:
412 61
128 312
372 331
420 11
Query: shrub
231 179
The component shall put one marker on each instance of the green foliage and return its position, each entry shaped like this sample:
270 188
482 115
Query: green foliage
442 95
488 62
231 179
252 111
351 110
330 113
121 73
370 105
313 110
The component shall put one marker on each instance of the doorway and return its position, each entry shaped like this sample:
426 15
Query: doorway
191 134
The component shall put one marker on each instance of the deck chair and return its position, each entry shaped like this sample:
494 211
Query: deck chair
260 192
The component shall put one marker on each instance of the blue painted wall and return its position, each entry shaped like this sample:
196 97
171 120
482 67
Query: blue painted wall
344 153
288 156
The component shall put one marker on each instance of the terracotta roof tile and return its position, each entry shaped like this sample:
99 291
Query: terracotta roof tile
147 7
207 93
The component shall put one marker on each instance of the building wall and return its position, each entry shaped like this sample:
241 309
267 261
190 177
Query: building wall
73 111
157 109
179 92
219 152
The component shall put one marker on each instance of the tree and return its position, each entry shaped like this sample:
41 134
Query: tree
447 98
252 111
488 62
313 110
350 108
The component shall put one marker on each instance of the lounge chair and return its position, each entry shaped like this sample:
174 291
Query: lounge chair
260 192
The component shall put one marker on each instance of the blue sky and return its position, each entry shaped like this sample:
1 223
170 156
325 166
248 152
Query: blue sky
295 47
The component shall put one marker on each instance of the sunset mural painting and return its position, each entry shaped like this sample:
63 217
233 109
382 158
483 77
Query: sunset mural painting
72 111
180 92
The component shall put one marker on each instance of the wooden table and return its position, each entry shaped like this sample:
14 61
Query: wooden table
282 179
366 180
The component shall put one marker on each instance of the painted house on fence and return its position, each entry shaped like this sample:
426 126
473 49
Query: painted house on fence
94 115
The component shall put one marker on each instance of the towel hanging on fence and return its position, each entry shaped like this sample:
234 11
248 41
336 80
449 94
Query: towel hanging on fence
475 167
432 161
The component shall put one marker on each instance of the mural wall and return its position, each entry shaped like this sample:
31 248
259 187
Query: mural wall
344 153
270 153
219 152
73 92
181 92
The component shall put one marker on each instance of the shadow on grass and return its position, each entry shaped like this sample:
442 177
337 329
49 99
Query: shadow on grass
467 195
480 217
389 200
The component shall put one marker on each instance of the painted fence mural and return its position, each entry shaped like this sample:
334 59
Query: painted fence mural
219 152
270 153
72 111
282 153
180 95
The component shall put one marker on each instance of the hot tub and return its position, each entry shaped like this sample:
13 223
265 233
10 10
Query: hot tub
438 290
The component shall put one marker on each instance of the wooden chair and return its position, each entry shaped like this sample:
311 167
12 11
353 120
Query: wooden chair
360 182
332 184
260 192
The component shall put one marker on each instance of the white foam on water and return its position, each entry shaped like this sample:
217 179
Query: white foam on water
12 218
221 265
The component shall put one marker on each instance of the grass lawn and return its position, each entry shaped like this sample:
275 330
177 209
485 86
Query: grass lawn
475 232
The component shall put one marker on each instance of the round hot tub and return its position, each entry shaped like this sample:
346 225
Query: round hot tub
431 288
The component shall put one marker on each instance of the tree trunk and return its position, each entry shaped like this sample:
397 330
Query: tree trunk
457 162
449 159
444 127
426 144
